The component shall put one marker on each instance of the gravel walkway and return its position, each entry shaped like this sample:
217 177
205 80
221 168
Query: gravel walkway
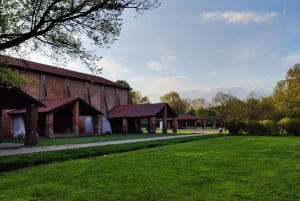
7 152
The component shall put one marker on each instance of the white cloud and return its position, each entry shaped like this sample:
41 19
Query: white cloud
113 69
212 74
291 60
154 65
163 58
168 58
162 63
238 17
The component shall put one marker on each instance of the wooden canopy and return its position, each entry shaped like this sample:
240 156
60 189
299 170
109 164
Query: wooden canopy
127 118
14 98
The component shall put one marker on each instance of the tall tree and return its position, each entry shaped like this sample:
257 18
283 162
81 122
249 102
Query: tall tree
287 93
136 96
228 106
64 26
175 102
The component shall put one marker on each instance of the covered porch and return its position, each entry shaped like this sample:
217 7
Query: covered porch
189 121
62 117
12 97
128 118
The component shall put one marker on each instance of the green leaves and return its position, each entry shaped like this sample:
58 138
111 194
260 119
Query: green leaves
65 27
287 93
10 78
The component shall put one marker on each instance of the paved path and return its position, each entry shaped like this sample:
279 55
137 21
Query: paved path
7 152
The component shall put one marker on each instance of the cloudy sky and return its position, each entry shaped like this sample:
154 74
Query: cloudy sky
201 47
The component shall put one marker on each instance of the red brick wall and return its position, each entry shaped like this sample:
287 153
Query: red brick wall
55 87
32 88
7 124
95 90
110 94
124 99
77 88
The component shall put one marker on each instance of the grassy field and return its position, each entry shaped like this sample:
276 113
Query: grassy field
103 138
220 168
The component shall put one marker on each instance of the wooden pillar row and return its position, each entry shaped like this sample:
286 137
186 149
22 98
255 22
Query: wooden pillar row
97 124
139 125
49 125
31 136
125 125
0 126
152 125
214 124
75 119
175 125
165 120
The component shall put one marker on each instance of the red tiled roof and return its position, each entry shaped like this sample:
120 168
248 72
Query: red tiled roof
30 65
140 110
187 117
54 104
15 98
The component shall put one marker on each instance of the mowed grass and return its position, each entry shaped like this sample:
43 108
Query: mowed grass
220 168
108 137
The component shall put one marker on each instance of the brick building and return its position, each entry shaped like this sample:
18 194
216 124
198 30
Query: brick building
75 102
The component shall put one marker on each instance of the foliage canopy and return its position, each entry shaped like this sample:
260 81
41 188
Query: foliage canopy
65 27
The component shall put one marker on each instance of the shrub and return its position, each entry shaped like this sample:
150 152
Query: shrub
290 125
262 127
254 127
270 127
234 126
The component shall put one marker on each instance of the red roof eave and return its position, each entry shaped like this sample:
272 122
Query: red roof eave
34 66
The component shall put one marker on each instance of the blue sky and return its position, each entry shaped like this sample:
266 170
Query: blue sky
201 47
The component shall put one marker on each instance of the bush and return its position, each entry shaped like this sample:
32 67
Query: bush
253 127
234 126
270 127
290 125
262 127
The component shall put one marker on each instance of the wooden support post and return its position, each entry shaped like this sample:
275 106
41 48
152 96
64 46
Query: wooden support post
165 121
195 123
214 124
174 125
49 125
31 136
139 125
0 126
97 124
204 124
75 120
125 125
152 126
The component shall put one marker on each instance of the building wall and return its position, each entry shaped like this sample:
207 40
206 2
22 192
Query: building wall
55 86
76 88
95 95
7 124
124 97
33 87
110 94
48 86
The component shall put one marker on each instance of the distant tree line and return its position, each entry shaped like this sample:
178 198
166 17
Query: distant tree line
278 113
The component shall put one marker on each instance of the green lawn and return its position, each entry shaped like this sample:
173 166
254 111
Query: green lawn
220 168
103 138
